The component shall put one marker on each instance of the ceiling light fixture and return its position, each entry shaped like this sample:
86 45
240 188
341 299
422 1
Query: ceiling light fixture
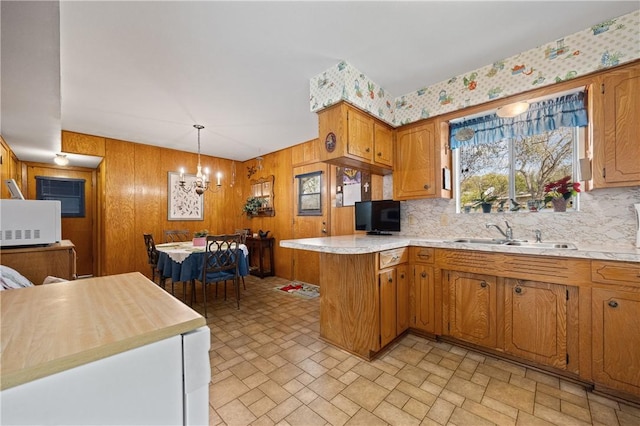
61 160
201 183
511 110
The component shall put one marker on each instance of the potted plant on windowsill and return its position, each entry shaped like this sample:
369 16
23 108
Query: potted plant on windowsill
200 237
559 193
485 200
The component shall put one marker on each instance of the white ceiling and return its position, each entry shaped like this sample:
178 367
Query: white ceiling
147 71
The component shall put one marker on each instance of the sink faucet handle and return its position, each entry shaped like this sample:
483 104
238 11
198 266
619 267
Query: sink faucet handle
509 233
538 234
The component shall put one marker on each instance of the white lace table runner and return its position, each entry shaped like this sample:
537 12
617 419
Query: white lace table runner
178 252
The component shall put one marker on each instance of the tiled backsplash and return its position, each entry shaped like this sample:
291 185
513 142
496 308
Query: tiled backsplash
606 218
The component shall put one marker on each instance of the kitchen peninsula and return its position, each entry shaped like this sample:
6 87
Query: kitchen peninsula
485 296
110 350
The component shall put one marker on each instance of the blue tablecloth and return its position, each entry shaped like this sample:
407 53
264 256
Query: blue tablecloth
191 267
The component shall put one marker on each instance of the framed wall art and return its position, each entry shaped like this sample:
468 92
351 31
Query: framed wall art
183 202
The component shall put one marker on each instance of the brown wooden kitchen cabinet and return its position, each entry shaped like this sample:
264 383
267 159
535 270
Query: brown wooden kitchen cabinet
472 307
615 315
535 321
352 138
616 338
422 289
394 294
414 174
616 128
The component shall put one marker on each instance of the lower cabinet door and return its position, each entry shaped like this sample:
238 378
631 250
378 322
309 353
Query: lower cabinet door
472 315
422 299
402 302
616 339
388 306
535 321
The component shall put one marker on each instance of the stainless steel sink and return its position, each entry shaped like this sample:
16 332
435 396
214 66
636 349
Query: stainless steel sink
518 243
550 245
478 241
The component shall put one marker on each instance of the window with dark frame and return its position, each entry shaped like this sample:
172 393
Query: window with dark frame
70 192
309 196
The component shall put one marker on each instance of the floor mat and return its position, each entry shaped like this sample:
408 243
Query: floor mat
296 288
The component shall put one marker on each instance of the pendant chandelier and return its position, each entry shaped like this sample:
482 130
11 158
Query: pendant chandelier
201 183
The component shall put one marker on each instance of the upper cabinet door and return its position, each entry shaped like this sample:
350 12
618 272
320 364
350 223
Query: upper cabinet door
383 144
621 126
360 132
414 173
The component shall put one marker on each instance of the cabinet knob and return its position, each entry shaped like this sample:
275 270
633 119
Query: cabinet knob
423 275
390 280
613 304
426 186
368 150
379 154
402 276
483 284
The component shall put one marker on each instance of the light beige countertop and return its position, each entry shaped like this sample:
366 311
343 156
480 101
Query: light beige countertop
52 328
361 244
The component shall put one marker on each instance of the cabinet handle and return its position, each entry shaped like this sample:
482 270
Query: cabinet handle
518 290
390 280
424 255
483 284
423 275
613 304
379 154
426 186
402 276
368 150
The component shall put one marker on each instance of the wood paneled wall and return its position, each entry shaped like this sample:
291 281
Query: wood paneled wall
130 192
10 168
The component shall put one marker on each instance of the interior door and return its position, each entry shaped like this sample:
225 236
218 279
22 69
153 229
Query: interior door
306 264
79 230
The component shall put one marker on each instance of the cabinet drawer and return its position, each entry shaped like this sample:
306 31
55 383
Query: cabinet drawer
422 254
609 272
393 257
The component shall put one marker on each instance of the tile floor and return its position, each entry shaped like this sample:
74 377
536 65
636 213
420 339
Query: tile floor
269 367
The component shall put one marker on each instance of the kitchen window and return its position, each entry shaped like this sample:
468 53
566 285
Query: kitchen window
507 161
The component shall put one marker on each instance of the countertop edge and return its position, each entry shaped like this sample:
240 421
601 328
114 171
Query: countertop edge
357 244
59 365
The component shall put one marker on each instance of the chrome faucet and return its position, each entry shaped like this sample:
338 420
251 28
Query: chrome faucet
508 234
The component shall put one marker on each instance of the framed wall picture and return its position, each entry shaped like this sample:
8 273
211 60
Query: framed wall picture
184 203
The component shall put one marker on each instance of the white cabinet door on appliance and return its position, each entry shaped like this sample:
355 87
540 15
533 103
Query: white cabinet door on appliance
139 386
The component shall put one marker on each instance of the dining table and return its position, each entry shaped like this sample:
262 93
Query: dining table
183 262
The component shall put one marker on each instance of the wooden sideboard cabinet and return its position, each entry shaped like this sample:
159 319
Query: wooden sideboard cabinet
36 263
259 248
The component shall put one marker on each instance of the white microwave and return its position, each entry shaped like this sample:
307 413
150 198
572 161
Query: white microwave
30 222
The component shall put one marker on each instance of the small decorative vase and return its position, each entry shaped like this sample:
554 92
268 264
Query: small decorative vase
199 241
559 204
486 207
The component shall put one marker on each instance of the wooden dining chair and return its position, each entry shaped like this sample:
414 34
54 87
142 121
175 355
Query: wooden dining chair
221 261
176 235
243 240
152 259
